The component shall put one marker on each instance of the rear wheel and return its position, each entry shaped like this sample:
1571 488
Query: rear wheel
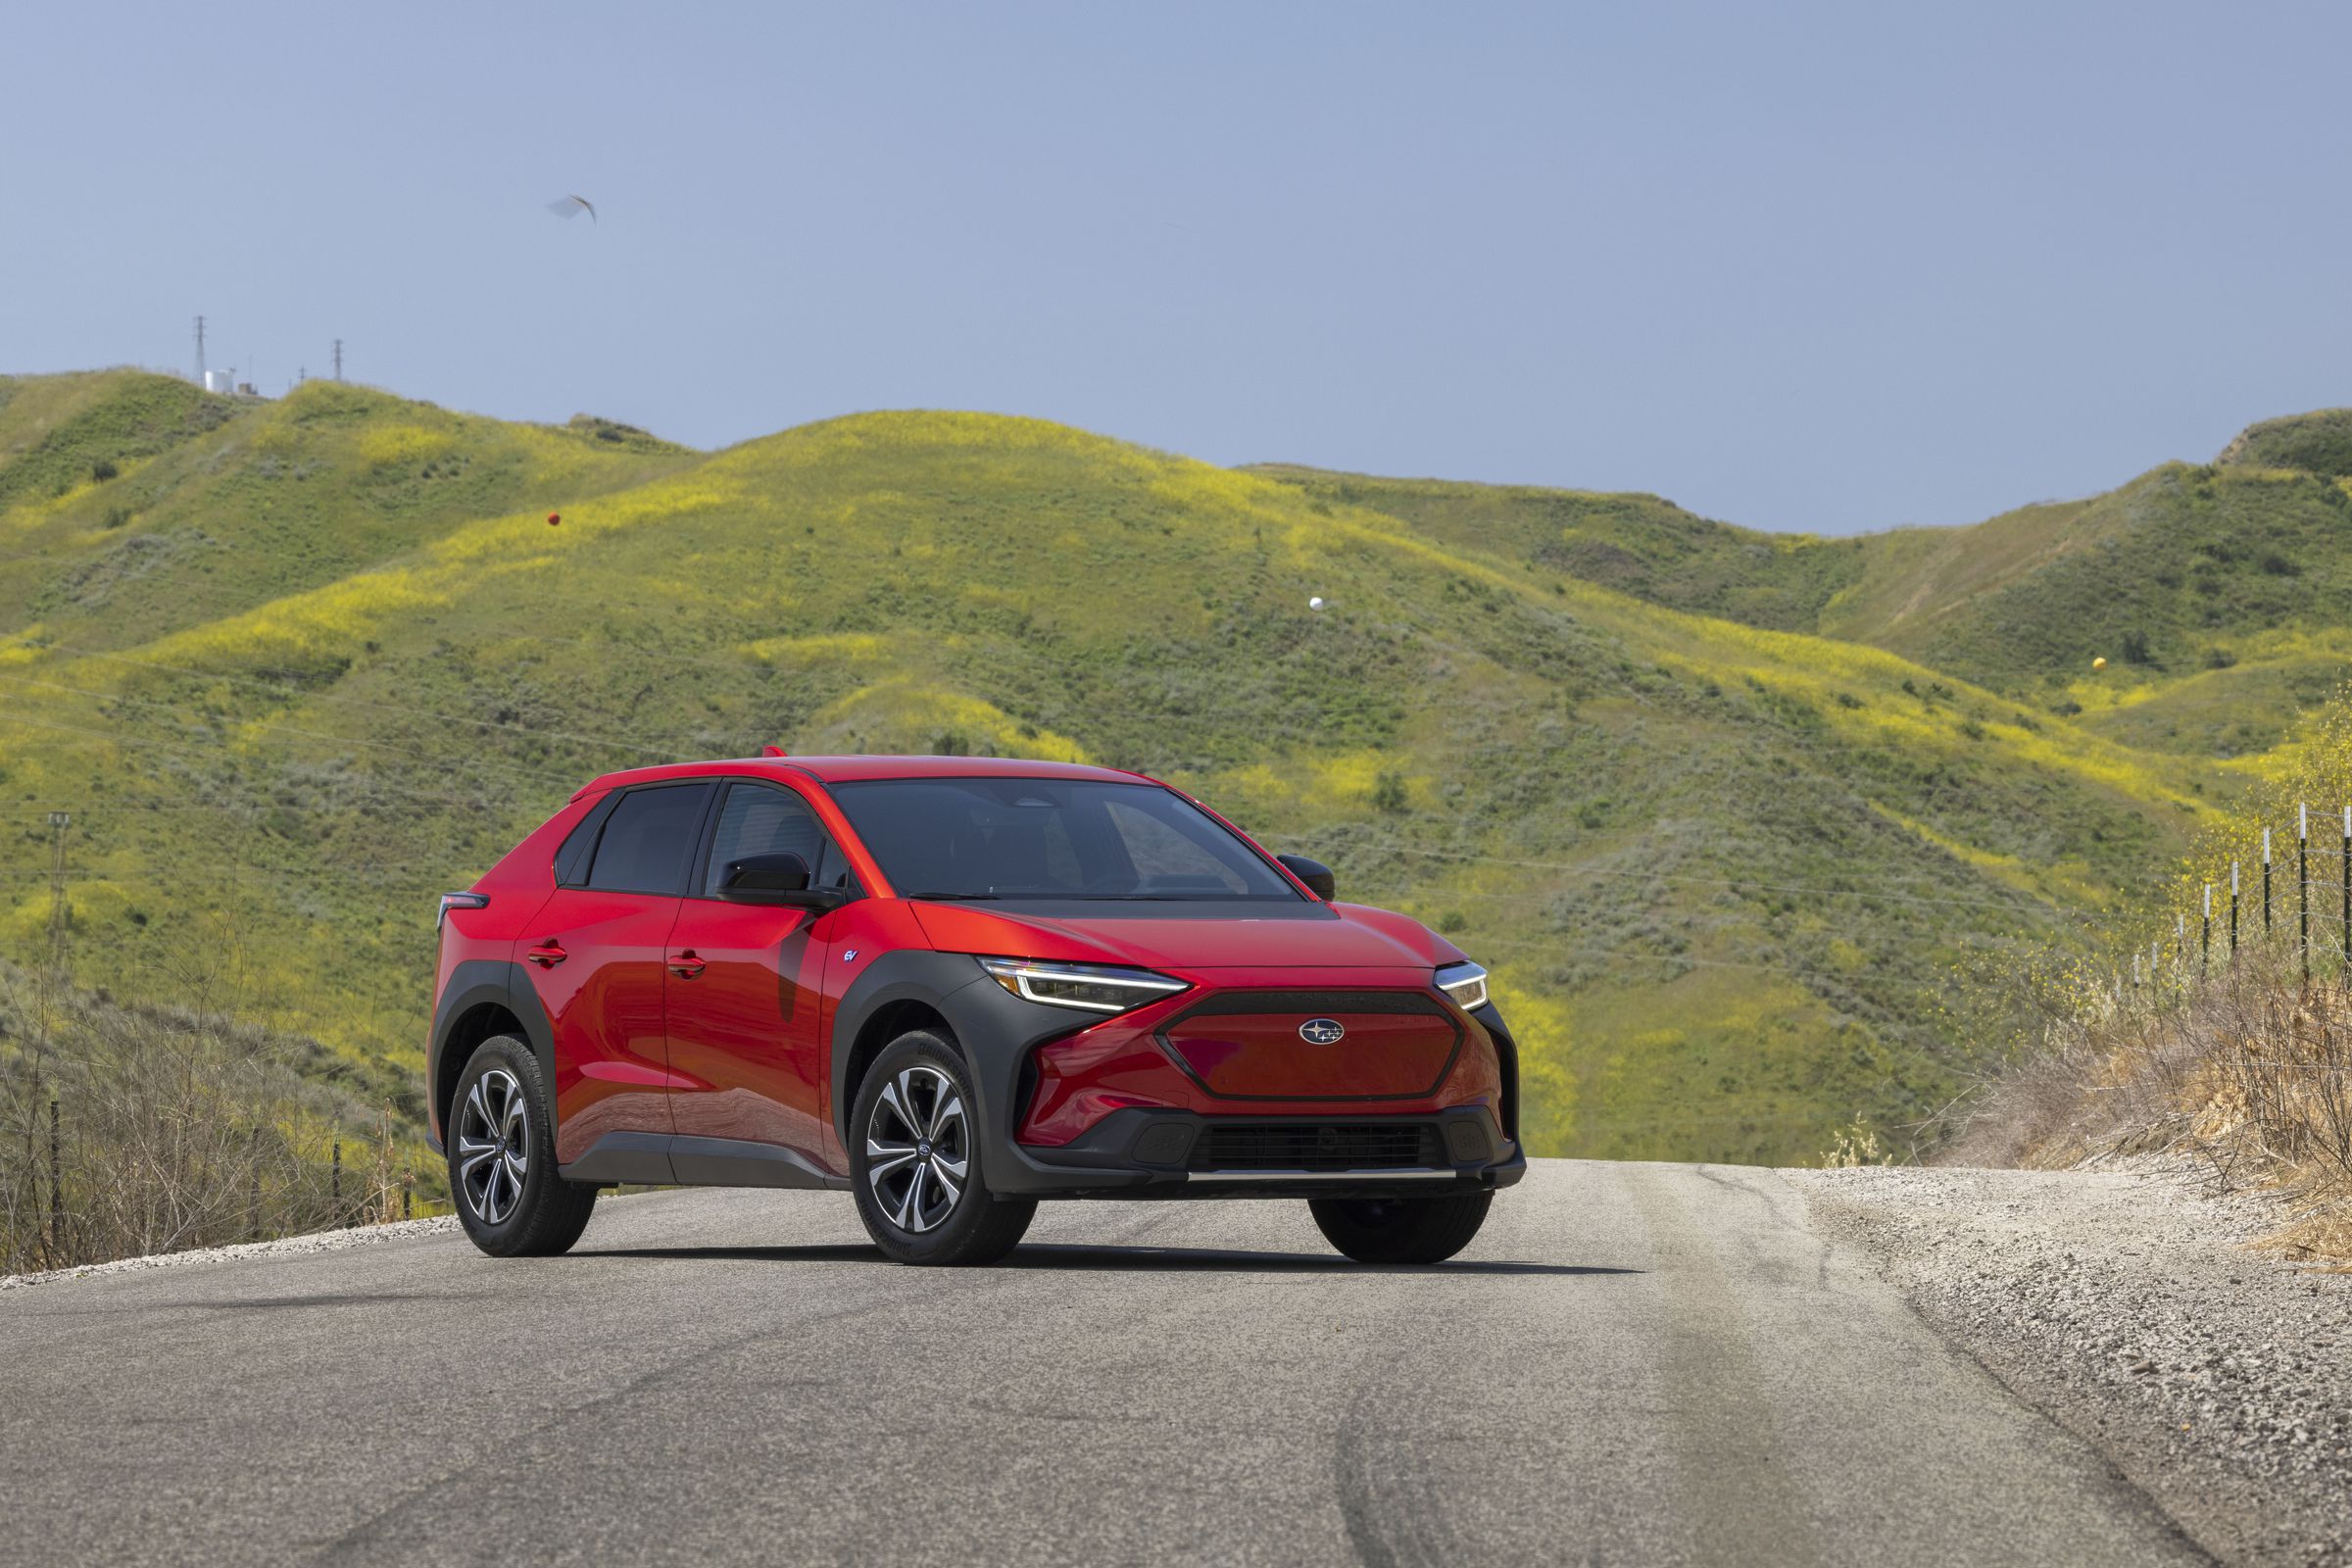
916 1165
502 1157
1401 1230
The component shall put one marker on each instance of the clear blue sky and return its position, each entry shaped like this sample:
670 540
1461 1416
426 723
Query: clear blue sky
1812 266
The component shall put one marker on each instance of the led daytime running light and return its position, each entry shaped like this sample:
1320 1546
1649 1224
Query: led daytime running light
1466 984
1087 987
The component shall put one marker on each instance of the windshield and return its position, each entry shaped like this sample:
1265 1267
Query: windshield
1030 837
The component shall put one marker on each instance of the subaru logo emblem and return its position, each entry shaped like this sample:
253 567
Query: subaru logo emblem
1322 1032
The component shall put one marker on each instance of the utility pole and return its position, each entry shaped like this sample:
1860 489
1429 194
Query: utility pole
200 351
338 358
59 821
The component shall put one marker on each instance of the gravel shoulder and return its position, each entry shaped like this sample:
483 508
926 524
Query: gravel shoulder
284 1246
2129 1306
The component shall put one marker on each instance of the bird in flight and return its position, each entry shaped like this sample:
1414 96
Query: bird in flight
573 207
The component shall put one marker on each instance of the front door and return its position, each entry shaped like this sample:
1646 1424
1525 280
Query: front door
746 983
595 956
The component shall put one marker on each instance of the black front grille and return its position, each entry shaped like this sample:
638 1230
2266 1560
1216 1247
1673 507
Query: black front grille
1318 1146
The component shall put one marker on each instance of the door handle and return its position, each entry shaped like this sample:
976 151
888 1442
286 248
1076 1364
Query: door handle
685 965
547 954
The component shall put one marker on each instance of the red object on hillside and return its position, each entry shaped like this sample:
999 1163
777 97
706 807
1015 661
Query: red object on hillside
553 517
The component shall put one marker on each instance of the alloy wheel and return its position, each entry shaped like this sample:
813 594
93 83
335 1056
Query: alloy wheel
494 1146
918 1149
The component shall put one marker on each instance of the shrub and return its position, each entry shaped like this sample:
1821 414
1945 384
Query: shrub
103 469
1389 794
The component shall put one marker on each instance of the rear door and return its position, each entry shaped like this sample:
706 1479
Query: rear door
595 956
746 984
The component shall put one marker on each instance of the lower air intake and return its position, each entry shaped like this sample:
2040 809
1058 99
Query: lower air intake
1318 1146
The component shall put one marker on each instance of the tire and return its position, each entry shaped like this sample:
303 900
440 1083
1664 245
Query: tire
500 1107
1401 1230
914 1162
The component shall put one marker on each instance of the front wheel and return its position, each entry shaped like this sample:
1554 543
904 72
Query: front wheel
915 1162
502 1157
1401 1230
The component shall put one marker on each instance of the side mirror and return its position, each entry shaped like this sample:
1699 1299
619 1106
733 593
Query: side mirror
1314 873
779 878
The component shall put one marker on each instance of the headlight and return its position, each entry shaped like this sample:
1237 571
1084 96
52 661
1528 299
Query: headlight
1466 984
1089 987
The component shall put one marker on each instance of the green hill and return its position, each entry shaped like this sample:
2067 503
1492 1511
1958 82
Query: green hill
2215 593
297 666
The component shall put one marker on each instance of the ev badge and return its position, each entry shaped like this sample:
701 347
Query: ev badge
1322 1032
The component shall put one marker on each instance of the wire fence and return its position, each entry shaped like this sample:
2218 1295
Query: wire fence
2296 901
77 1202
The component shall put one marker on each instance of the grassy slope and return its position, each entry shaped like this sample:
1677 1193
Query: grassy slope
2212 592
1721 872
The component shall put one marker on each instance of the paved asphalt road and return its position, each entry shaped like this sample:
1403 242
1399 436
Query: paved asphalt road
1632 1364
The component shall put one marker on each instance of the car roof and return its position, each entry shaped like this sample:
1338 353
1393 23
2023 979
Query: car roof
852 769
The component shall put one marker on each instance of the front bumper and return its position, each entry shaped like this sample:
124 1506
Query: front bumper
1110 1154
1178 1153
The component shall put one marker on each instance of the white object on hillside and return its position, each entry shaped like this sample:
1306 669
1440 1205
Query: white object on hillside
1316 603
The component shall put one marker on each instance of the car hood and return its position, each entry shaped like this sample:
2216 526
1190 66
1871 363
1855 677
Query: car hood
1221 935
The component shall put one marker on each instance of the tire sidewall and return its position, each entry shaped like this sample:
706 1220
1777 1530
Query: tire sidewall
942 1243
515 1057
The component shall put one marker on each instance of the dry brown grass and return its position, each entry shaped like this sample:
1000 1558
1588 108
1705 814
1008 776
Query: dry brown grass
128 1130
2248 1068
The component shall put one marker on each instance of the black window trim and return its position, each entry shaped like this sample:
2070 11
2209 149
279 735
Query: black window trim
613 800
709 839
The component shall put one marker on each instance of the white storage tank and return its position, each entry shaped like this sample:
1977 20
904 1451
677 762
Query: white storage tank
219 381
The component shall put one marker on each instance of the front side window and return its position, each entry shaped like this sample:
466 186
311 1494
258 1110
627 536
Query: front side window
1028 838
756 820
648 840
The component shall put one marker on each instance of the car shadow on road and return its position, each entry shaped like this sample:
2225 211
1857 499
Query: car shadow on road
1114 1259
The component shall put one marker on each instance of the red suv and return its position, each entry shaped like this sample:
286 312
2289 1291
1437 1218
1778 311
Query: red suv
952 987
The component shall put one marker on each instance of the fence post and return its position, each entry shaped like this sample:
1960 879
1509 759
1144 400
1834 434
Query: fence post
335 1186
2205 931
2234 911
2266 886
408 1184
252 1184
57 1196
2303 886
2347 912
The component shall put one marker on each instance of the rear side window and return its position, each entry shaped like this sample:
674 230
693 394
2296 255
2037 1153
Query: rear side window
757 820
572 860
649 839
